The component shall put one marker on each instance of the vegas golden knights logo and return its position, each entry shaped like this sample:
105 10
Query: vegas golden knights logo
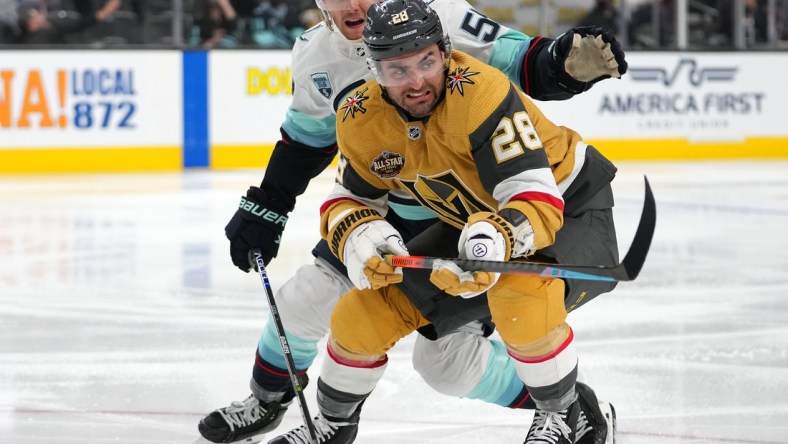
447 196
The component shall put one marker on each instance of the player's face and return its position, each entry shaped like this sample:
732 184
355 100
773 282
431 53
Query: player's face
349 16
415 81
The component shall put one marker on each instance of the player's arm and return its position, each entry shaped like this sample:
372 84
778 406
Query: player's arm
351 221
570 64
543 70
307 147
514 168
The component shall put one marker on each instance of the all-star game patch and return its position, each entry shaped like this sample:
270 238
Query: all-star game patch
354 104
387 165
458 77
323 84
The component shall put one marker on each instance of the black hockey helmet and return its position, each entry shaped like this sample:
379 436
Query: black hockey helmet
398 27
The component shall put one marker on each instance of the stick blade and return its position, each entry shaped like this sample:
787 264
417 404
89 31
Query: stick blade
638 250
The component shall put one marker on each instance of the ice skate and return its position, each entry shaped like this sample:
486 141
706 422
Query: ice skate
554 427
243 422
328 431
596 421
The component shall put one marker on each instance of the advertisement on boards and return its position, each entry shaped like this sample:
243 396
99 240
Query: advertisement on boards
712 103
249 93
73 101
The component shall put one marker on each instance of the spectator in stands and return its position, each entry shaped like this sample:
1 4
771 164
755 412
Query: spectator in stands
215 24
756 19
8 21
36 28
276 24
310 17
783 27
603 14
641 25
755 22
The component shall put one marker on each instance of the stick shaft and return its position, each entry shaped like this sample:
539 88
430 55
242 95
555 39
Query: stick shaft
280 330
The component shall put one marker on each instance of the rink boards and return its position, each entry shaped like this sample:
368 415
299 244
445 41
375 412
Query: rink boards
65 111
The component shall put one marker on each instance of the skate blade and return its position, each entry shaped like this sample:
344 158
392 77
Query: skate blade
254 439
610 417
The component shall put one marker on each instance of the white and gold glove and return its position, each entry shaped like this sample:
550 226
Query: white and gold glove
482 238
363 254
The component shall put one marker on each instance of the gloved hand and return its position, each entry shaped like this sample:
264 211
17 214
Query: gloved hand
256 224
589 54
363 252
480 239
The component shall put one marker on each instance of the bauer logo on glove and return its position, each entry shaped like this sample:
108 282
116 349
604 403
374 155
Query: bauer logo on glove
261 212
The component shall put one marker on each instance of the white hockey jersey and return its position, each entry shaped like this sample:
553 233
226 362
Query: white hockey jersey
326 66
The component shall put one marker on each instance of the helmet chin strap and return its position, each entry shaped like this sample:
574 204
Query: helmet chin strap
327 19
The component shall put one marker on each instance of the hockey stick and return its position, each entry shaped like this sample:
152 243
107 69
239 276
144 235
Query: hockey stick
627 270
280 330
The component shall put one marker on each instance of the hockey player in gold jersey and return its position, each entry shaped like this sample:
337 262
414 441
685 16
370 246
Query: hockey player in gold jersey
443 128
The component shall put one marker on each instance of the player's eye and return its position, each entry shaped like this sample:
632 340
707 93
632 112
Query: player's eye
427 65
397 72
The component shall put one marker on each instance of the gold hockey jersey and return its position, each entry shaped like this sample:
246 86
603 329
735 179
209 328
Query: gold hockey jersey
485 147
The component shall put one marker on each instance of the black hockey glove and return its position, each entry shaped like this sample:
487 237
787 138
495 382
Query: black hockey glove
256 224
586 55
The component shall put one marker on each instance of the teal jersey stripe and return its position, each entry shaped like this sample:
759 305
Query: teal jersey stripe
508 52
412 212
310 131
500 383
304 351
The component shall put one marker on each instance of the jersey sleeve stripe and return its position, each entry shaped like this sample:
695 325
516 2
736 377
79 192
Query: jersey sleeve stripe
534 182
531 196
525 83
330 202
579 161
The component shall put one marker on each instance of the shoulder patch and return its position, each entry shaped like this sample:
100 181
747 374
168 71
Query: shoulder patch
387 165
459 77
354 104
323 84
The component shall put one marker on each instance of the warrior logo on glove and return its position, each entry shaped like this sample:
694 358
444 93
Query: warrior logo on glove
479 250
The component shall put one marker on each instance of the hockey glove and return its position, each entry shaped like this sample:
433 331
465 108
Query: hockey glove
256 224
484 237
363 254
586 55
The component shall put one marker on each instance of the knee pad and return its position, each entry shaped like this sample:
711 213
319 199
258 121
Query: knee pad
370 322
526 308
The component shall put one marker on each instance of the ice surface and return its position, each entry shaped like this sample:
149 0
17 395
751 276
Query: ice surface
122 318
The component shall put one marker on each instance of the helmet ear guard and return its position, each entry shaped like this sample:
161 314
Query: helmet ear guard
324 12
327 19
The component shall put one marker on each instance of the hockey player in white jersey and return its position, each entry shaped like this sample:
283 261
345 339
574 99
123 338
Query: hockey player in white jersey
329 61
